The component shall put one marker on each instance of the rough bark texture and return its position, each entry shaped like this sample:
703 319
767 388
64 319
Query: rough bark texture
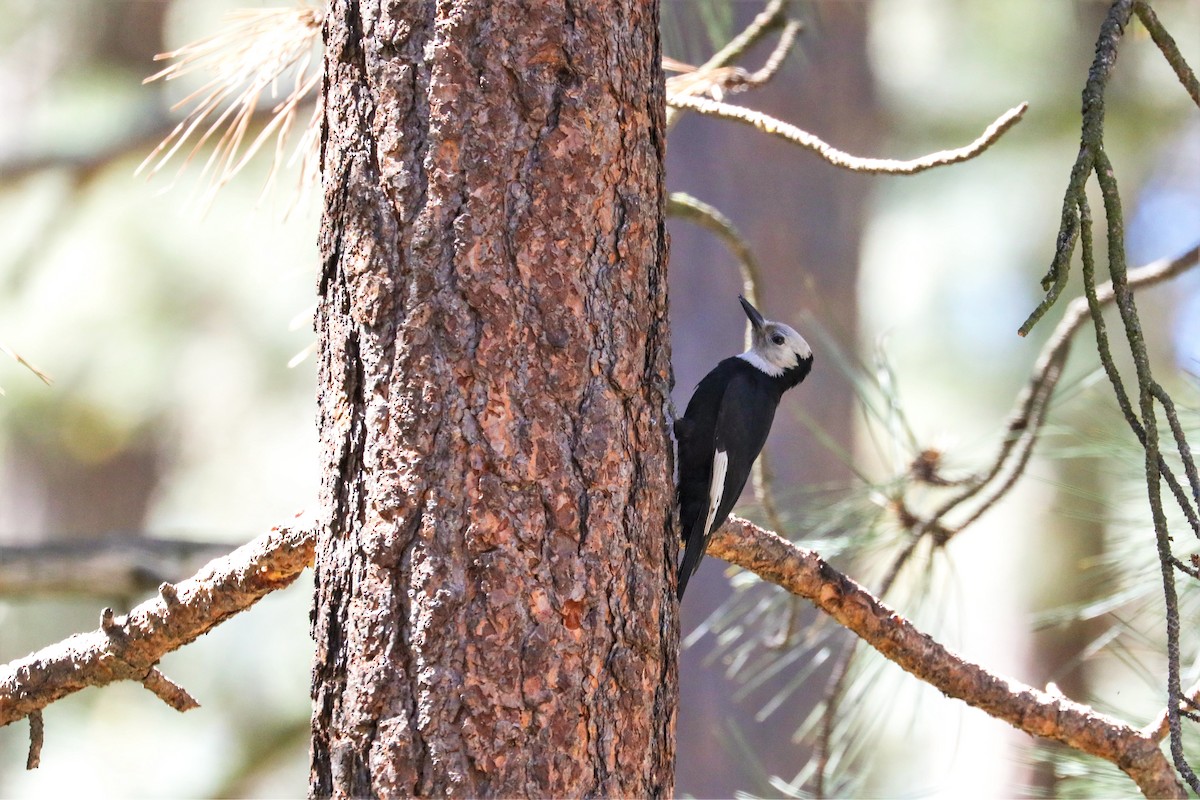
493 613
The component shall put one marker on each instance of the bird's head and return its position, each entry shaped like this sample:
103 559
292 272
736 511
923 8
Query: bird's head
777 346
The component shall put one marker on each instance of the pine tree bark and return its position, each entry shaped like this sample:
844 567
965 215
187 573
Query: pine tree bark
493 610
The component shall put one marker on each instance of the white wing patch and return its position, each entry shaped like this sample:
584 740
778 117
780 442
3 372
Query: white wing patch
716 487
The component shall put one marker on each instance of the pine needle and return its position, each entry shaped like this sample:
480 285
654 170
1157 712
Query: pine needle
15 356
248 61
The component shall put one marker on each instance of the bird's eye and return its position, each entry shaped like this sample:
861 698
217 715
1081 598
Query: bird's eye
777 339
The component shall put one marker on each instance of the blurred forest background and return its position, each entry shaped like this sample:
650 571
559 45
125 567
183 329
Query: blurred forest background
182 406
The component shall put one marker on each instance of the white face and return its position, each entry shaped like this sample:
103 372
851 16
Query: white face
779 346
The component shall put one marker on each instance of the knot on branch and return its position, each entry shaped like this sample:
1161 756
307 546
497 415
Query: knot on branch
109 624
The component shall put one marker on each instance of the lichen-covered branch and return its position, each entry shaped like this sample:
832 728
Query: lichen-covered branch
128 647
1170 50
1051 716
775 127
1076 228
1090 143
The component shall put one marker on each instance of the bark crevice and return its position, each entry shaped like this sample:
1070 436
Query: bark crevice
493 611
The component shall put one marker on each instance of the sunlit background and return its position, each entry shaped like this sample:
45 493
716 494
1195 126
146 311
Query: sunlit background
183 407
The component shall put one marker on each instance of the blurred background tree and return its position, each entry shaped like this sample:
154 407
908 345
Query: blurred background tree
169 326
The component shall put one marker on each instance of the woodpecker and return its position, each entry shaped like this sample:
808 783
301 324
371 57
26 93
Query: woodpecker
725 426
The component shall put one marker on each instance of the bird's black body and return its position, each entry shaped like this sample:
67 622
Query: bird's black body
725 426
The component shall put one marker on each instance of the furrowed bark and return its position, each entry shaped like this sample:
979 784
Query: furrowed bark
493 610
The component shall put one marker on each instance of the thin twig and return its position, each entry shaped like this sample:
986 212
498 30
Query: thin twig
1181 442
716 82
1160 727
1187 569
37 737
767 20
769 125
1170 51
169 691
1024 422
686 207
774 62
717 76
718 65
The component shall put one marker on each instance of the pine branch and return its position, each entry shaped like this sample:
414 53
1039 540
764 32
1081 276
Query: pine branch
1025 421
1050 716
128 647
247 61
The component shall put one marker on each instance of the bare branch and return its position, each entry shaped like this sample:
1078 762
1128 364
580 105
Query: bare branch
760 77
1051 716
121 566
83 166
128 647
767 20
717 81
838 158
716 73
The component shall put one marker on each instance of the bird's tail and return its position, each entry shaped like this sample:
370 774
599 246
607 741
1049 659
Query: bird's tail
693 552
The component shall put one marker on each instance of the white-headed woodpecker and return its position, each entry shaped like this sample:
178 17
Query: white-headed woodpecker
725 426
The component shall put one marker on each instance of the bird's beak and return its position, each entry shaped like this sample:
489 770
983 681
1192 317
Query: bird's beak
756 319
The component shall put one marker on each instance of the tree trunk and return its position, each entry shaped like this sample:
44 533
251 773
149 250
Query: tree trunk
494 611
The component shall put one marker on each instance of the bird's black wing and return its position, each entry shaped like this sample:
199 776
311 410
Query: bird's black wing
747 410
743 421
